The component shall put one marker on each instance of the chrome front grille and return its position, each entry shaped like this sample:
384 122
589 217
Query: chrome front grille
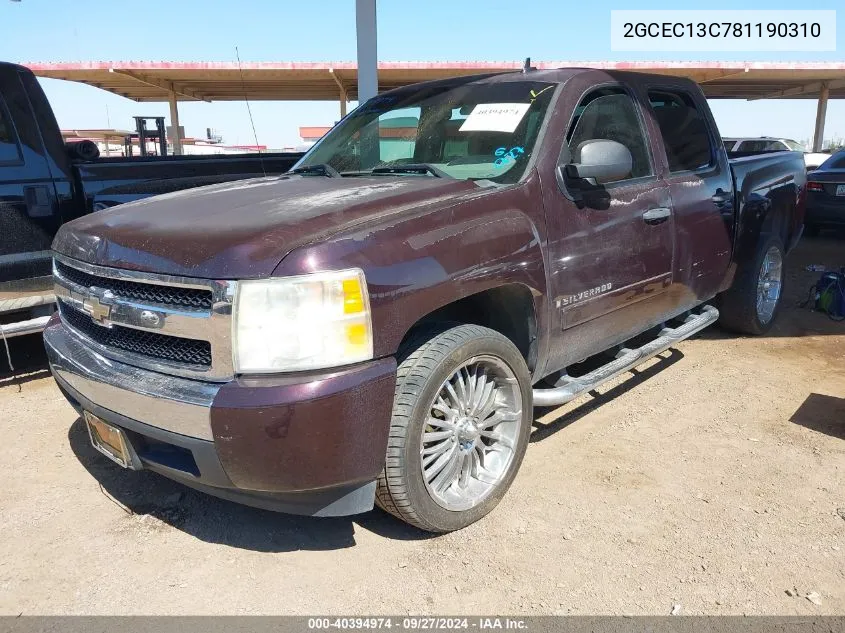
189 298
156 346
175 325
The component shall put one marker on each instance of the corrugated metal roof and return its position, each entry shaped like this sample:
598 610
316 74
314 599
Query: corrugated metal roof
318 81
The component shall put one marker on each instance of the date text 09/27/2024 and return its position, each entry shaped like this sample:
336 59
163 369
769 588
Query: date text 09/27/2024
418 623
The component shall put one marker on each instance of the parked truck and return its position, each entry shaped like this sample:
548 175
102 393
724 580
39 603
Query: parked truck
737 147
378 324
43 184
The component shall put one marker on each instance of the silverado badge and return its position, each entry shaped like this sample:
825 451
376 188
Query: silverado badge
567 300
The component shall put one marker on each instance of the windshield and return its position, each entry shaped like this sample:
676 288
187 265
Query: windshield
469 131
795 147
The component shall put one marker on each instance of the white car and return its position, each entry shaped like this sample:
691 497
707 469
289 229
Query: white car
772 144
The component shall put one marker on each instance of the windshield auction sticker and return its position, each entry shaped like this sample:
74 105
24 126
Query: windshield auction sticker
495 117
723 30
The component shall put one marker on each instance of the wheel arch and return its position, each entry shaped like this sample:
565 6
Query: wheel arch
509 309
771 203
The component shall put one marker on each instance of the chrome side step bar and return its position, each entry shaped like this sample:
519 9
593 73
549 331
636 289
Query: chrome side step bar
569 388
21 328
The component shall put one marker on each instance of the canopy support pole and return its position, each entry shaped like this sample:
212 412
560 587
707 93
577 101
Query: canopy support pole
821 114
344 95
174 123
365 23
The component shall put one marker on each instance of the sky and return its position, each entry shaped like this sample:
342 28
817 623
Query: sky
324 30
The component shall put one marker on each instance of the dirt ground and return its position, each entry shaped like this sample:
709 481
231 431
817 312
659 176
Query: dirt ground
713 478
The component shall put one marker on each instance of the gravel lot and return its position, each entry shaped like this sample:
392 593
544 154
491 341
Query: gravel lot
713 478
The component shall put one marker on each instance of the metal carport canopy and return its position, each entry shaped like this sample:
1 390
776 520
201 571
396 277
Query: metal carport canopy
319 81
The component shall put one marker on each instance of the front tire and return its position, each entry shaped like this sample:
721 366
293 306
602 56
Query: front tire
752 303
461 420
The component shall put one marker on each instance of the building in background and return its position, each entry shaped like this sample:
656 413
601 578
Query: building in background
311 134
397 136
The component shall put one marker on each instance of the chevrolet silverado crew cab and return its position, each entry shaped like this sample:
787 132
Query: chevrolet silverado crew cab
378 324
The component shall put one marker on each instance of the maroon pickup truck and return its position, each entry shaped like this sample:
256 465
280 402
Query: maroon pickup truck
378 324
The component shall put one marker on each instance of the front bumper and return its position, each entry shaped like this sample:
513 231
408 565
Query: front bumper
310 443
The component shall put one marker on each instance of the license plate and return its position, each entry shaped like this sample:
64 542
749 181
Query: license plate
108 439
840 190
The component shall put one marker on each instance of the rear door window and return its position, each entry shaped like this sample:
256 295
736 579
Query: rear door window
684 131
751 146
793 146
762 146
9 149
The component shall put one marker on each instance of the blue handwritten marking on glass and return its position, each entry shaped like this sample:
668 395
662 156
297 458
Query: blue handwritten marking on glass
505 156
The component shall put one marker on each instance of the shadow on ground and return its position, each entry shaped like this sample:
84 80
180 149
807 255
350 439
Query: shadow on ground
542 430
28 357
146 494
825 414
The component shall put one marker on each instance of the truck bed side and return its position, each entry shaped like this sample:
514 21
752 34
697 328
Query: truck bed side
769 190
111 181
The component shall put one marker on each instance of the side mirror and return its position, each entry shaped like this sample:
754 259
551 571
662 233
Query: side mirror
601 159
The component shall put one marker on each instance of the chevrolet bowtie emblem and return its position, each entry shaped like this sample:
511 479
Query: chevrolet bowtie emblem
97 310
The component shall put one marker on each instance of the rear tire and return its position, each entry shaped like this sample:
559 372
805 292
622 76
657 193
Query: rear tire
463 405
752 303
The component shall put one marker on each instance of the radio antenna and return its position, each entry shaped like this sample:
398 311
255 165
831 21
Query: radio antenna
249 110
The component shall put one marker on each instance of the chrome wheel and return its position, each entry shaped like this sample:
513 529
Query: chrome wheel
769 284
469 439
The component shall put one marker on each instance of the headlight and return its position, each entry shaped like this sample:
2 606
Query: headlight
305 322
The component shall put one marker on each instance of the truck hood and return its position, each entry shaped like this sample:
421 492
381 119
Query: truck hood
241 230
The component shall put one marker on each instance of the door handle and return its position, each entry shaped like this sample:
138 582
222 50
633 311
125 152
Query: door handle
656 216
721 197
38 203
